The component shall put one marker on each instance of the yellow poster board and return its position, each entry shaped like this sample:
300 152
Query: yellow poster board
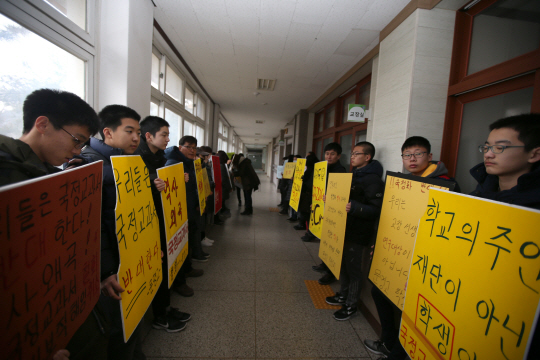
174 203
289 170
335 220
137 231
404 202
297 183
206 183
316 217
473 287
200 185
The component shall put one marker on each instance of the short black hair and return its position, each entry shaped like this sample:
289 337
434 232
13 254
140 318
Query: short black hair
298 156
223 157
111 117
188 139
416 141
152 124
61 107
526 125
207 149
368 148
333 146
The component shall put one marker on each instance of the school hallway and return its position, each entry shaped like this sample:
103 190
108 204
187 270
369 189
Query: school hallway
252 301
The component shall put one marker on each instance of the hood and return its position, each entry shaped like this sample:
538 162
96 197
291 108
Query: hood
435 169
526 182
22 153
336 167
374 167
104 149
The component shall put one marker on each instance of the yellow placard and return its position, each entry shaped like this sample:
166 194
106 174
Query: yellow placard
316 217
473 289
206 183
289 170
137 231
200 185
174 203
335 220
405 199
297 183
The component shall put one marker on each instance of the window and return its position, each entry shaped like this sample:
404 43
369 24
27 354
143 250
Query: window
219 144
348 99
62 64
201 108
189 100
154 108
173 84
329 117
188 129
74 10
155 71
199 133
175 123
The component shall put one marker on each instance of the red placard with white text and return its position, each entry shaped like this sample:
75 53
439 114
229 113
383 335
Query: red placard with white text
49 260
218 189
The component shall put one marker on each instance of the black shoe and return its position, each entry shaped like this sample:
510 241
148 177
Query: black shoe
283 212
322 268
178 315
168 324
218 222
377 347
308 237
335 300
299 227
206 255
345 313
247 212
199 258
291 219
327 279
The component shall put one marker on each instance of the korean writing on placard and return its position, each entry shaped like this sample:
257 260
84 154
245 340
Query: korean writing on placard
404 202
289 170
335 220
316 218
297 183
473 288
137 232
200 185
49 260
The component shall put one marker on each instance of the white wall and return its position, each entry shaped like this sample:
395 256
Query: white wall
125 54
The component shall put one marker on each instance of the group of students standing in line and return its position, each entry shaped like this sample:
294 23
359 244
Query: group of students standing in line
58 131
510 173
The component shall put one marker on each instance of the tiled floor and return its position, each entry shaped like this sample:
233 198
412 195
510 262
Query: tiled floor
252 302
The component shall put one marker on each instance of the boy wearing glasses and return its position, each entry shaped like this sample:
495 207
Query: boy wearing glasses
363 211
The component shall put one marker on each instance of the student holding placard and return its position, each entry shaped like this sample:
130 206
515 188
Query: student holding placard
363 210
304 205
120 129
56 126
154 140
417 159
510 171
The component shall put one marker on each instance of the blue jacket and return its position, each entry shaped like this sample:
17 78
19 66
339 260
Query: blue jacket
174 156
110 257
366 198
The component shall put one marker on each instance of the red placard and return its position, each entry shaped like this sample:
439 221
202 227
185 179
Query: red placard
49 260
218 190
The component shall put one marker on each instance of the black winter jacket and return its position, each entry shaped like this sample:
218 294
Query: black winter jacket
250 180
174 156
366 198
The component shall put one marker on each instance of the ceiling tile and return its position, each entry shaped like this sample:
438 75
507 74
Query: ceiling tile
356 41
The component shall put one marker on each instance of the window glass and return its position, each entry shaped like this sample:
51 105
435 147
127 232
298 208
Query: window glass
33 63
329 117
318 151
189 100
220 127
326 142
360 136
155 71
188 128
74 10
365 92
225 131
225 146
219 141
346 101
173 85
174 121
199 134
201 108
503 31
346 145
154 109
320 121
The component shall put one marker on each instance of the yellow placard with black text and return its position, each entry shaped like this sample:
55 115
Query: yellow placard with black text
137 232
405 198
316 217
297 183
200 185
206 182
174 203
335 221
289 170
473 289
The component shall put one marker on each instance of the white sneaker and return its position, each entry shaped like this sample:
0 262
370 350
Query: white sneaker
206 238
206 243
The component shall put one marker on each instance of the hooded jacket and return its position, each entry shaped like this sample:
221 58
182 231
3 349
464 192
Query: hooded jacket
525 193
18 162
366 198
250 180
173 155
437 170
98 150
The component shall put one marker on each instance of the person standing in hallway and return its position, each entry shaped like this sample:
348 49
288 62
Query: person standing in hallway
304 206
250 181
363 211
225 183
284 189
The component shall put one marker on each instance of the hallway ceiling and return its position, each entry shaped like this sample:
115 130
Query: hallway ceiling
305 45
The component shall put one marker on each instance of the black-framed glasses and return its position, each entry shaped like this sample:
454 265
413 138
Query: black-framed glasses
496 149
357 154
192 148
78 143
417 155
